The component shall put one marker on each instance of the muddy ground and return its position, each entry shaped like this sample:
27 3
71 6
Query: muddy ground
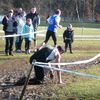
11 70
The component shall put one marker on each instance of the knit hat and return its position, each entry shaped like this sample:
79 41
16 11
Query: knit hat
11 11
69 26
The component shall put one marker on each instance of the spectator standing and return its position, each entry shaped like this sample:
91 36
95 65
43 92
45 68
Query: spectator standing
9 27
21 22
28 32
68 37
53 24
34 16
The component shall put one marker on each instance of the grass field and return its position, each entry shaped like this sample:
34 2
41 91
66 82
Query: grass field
75 87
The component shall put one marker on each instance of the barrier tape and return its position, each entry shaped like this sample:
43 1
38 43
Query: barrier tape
68 71
71 63
49 65
77 37
98 29
15 35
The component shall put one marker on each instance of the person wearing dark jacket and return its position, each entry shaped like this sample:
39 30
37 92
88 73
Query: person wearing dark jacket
68 37
46 54
34 16
9 27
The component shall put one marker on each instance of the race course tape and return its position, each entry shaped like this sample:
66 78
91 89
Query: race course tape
71 63
49 65
77 37
15 35
68 71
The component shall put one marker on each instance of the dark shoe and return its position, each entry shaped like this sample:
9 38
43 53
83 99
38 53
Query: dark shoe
34 81
20 82
71 52
6 52
11 53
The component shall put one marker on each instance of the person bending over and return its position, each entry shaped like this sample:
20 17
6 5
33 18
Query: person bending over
46 54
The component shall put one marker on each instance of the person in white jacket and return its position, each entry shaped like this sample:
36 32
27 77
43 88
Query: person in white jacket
21 22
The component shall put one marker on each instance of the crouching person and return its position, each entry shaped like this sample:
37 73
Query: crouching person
45 55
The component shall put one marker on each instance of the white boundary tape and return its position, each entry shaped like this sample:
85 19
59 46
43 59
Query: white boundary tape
75 27
15 35
88 28
49 65
77 37
70 72
71 63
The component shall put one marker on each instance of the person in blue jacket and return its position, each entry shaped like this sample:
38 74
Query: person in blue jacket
53 24
28 35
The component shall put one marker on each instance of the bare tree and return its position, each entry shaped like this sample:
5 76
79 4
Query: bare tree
77 11
93 9
86 9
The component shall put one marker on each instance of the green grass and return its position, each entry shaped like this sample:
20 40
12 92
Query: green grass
83 88
78 24
76 86
82 24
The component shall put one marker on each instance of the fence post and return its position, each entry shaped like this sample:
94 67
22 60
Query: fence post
26 82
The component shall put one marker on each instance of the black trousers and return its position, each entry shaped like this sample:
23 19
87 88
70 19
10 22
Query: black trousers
27 44
51 34
40 56
68 44
9 44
